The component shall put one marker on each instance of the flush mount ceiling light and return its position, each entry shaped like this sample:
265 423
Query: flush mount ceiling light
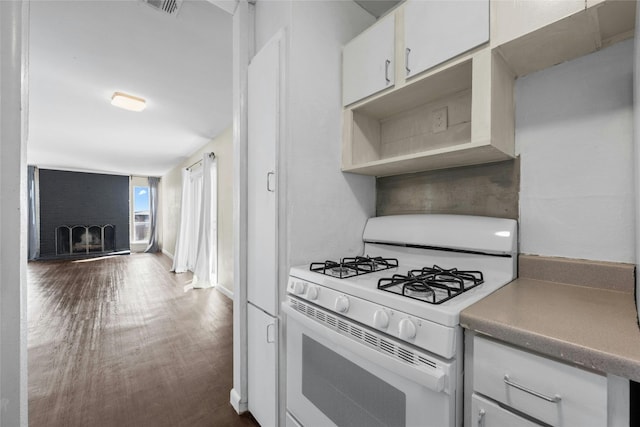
128 102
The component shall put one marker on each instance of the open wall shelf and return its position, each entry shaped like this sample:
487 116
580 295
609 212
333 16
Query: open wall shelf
459 114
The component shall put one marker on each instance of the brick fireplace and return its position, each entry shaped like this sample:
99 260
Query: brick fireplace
82 214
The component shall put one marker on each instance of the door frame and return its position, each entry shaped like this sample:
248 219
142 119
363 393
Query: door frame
14 42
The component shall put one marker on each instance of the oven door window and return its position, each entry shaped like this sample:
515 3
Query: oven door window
346 393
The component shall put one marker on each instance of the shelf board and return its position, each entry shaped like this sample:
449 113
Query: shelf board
446 81
470 153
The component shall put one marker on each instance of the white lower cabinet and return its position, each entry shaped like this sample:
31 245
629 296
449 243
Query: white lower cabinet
486 413
261 362
552 392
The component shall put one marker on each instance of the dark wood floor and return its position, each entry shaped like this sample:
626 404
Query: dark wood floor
116 342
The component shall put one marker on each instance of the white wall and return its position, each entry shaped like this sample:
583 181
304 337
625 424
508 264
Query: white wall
574 133
171 194
324 209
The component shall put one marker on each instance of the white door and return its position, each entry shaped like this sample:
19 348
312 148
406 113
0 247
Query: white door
263 132
367 61
438 30
261 366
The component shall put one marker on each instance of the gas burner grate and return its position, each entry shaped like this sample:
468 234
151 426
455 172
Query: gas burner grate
354 266
433 285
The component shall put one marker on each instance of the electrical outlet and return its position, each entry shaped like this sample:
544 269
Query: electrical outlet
439 120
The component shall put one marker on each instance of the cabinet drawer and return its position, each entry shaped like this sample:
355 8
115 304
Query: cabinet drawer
488 414
553 392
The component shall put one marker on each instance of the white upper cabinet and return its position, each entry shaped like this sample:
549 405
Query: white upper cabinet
367 61
513 19
436 31
532 35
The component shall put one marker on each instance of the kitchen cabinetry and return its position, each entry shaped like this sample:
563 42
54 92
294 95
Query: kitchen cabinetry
417 36
486 413
551 392
263 135
446 110
261 362
368 63
533 35
445 115
513 19
457 114
264 87
435 31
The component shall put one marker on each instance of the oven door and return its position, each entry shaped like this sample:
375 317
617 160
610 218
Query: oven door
335 379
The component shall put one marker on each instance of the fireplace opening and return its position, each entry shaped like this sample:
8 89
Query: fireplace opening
85 239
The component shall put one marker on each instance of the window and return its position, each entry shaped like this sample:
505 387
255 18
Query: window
141 224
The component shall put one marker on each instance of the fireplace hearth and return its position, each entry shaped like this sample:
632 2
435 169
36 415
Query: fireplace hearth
85 239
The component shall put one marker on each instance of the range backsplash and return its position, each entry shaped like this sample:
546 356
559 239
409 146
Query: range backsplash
486 190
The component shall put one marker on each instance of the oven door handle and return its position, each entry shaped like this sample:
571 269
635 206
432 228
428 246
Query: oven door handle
431 378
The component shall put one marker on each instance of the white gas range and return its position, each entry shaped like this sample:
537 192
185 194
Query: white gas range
375 340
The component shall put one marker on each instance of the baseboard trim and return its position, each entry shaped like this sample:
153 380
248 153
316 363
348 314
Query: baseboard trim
238 405
167 253
224 291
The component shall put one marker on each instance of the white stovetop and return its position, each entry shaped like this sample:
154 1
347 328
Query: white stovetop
497 271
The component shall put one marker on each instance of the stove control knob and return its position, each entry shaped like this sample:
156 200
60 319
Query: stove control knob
312 293
381 319
299 288
342 304
407 329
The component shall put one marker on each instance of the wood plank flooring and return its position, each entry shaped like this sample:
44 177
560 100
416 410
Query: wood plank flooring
116 342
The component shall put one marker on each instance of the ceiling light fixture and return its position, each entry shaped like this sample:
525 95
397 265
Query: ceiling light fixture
128 102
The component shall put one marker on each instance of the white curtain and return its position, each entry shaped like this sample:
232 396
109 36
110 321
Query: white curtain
153 214
34 214
193 213
205 272
181 253
196 244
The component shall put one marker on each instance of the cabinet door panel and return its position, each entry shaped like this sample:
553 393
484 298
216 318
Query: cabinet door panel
263 134
262 366
438 30
367 61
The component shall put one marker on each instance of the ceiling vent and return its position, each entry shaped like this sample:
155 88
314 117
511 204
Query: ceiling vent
170 7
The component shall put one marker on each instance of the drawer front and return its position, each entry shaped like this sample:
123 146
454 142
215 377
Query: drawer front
553 392
488 414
